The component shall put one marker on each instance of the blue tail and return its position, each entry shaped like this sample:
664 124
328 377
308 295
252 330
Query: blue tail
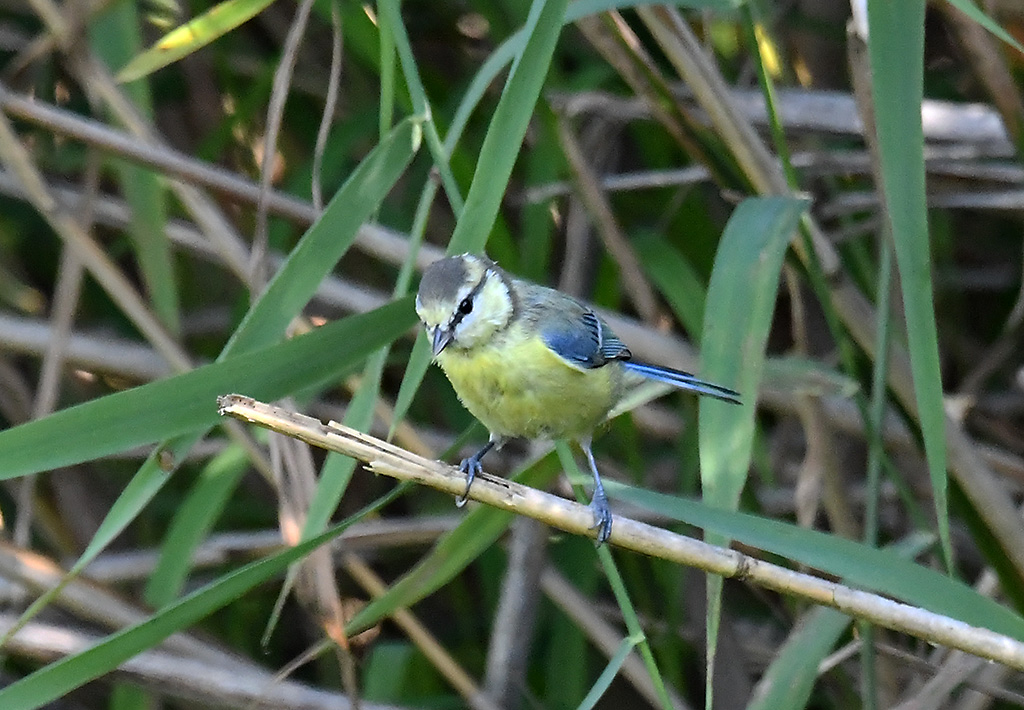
682 380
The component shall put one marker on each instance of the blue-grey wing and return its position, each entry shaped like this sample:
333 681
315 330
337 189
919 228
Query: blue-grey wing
581 338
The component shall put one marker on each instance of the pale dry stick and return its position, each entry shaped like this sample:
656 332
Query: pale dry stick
192 680
629 534
375 240
207 215
429 646
813 111
99 352
813 163
93 603
65 303
275 113
367 537
637 287
846 203
581 611
699 71
330 104
515 616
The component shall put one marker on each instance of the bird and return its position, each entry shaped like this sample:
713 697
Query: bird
532 362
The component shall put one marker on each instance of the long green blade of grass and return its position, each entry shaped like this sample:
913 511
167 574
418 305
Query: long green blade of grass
193 522
738 315
187 402
896 49
604 680
497 158
617 584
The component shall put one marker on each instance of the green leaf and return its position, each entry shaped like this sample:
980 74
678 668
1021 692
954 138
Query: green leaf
738 316
199 32
879 570
192 522
508 127
896 50
187 402
617 584
790 678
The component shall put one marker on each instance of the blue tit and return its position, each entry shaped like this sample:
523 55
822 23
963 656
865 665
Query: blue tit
531 362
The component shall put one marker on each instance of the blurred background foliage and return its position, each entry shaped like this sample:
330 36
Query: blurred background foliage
142 220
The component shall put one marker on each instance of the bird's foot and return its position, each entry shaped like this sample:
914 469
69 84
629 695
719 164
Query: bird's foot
602 516
470 467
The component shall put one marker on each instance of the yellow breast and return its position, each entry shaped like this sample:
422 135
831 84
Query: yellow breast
517 387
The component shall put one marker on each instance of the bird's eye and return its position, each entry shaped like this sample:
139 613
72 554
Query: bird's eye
466 307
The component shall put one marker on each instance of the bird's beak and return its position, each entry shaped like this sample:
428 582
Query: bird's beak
441 337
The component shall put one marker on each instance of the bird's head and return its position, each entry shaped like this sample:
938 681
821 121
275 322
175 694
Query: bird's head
463 301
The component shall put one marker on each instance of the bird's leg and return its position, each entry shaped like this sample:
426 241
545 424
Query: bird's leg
599 502
471 467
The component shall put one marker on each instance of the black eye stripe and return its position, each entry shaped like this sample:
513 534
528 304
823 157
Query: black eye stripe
465 306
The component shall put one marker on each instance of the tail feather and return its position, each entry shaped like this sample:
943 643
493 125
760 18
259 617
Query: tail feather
683 380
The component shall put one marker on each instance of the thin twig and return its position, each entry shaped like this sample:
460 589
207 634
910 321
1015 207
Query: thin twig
629 534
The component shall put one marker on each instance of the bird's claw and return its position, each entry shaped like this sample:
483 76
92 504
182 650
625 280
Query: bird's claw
602 516
470 467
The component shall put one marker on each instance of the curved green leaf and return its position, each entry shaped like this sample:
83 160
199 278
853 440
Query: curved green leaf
199 32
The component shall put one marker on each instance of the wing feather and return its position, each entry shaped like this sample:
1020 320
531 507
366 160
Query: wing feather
583 339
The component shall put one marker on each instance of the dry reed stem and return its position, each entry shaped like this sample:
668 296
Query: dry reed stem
384 458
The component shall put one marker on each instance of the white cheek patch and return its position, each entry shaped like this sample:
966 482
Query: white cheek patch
492 309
